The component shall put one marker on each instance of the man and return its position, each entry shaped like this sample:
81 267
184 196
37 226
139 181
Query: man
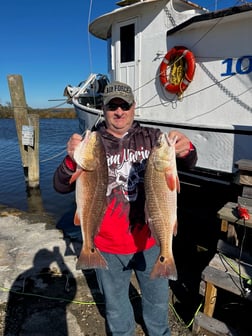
124 238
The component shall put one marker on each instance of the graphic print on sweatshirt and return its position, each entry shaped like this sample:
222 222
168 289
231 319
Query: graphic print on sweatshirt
126 172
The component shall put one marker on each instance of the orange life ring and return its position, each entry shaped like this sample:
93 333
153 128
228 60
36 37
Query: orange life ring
170 59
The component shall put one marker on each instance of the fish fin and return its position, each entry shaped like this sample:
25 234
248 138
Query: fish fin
177 184
175 229
170 181
147 216
164 268
75 175
91 258
77 219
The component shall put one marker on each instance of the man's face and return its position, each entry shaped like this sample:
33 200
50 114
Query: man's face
119 116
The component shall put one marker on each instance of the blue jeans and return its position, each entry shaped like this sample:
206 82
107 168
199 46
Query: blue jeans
114 284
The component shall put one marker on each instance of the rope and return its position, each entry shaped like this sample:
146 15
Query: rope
180 319
61 104
177 71
88 35
237 270
4 289
53 157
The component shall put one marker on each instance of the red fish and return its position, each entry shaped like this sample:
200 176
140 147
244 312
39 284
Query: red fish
161 188
91 179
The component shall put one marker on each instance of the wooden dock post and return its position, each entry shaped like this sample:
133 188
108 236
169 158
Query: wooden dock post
33 153
29 153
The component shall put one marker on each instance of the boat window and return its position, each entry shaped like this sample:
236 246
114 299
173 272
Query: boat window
127 37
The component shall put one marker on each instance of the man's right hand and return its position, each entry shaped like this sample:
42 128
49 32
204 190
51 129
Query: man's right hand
72 143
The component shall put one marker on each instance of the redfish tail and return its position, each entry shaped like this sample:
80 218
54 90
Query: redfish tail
91 258
164 269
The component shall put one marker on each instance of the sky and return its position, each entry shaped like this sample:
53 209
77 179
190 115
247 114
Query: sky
48 44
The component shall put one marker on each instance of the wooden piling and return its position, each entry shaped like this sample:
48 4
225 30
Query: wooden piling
29 153
20 113
33 153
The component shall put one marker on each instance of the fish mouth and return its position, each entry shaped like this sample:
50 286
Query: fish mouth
86 135
170 141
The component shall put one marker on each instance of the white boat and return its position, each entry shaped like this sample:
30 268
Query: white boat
209 54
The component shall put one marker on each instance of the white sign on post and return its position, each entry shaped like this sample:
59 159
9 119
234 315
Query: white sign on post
27 135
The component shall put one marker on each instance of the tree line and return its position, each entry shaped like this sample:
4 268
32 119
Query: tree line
6 112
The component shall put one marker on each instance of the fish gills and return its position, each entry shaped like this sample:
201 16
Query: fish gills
161 187
91 179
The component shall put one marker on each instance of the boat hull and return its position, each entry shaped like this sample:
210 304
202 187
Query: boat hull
217 147
215 109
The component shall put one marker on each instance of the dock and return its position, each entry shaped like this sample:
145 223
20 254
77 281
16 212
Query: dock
230 269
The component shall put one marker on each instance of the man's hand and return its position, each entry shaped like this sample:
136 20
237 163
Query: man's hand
183 145
72 143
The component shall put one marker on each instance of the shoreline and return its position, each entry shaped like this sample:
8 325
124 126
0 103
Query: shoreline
61 113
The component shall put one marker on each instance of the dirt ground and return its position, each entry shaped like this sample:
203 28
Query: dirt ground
41 293
73 306
17 316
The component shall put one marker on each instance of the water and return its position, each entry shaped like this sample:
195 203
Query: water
54 134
